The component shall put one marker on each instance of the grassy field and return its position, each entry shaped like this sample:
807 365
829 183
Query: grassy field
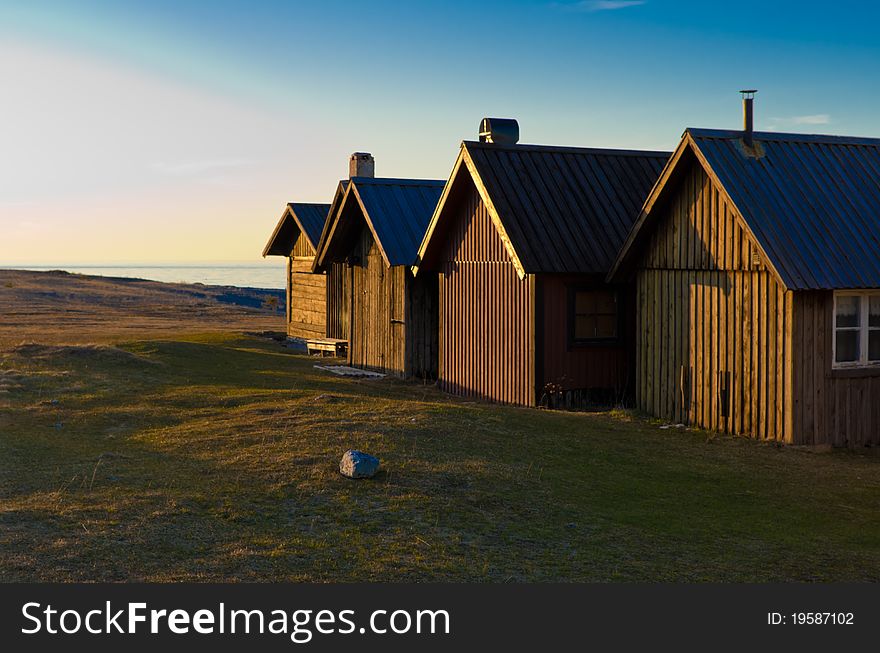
214 456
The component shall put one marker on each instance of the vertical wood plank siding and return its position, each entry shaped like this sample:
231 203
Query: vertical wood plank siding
421 324
714 346
306 294
486 329
392 318
338 300
301 248
834 407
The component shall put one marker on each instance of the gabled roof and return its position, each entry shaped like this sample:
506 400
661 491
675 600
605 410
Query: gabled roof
341 187
810 202
397 211
297 217
557 209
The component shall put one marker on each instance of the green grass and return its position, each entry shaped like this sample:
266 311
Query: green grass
215 457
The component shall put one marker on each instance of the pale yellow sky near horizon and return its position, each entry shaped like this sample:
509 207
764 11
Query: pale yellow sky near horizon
176 132
104 169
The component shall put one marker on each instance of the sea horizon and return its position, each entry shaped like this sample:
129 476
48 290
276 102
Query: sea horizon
267 275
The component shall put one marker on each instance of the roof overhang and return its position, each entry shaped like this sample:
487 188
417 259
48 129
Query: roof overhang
431 242
325 232
640 230
337 229
284 235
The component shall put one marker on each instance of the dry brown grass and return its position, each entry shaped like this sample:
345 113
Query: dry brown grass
62 308
213 457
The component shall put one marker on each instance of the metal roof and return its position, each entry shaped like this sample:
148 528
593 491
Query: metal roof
396 210
811 202
297 217
563 209
311 217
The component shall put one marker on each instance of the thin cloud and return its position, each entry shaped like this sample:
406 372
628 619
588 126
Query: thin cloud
592 6
815 119
777 123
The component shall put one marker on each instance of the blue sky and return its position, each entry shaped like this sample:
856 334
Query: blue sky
175 131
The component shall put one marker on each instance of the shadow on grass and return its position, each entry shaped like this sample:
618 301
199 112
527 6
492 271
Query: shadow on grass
224 467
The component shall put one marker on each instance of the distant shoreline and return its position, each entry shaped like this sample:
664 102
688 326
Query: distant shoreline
254 276
55 306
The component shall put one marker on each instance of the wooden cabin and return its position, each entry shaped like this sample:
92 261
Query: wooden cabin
522 239
373 236
295 237
757 264
338 298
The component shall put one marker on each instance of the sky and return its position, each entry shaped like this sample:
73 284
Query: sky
175 131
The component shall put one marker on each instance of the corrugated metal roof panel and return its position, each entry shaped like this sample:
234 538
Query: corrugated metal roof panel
399 210
812 202
297 216
312 218
565 209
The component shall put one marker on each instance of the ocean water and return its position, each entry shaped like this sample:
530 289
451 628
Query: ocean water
268 275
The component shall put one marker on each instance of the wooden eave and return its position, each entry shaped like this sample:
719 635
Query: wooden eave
659 190
333 223
465 159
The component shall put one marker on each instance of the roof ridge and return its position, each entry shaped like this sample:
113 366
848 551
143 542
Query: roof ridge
308 204
607 151
394 181
830 139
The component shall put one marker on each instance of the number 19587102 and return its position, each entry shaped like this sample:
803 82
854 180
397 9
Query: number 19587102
810 619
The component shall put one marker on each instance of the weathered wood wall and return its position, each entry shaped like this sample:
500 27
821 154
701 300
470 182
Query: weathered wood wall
486 329
393 317
422 312
306 294
302 249
338 300
377 335
590 367
714 330
837 407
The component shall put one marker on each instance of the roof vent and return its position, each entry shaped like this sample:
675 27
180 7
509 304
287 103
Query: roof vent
748 96
361 164
501 131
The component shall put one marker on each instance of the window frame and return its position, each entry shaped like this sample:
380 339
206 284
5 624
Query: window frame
574 342
864 329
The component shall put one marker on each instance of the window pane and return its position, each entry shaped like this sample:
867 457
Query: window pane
848 310
874 312
874 345
607 326
605 303
594 314
584 327
847 346
583 303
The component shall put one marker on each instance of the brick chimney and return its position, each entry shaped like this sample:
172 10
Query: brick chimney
361 164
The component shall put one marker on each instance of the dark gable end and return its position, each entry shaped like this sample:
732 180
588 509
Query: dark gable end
311 218
297 218
562 210
397 212
341 187
812 203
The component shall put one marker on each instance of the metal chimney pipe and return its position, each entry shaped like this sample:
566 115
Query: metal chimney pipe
748 96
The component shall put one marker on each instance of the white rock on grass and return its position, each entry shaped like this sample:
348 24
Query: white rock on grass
357 464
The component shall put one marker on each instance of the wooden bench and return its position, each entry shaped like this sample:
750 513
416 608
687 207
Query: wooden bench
331 346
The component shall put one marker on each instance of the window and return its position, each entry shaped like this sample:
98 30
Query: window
856 328
594 315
